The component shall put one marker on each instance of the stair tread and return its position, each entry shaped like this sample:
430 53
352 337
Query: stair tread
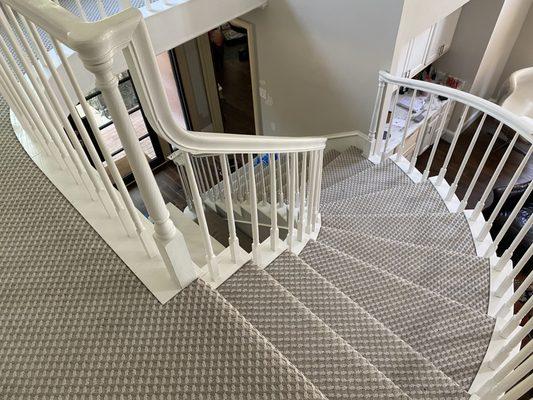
410 198
440 230
326 359
374 179
458 276
348 163
407 368
452 336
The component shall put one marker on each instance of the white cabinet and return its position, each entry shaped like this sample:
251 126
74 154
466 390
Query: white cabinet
442 36
428 46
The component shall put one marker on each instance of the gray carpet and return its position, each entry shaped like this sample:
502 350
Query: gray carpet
76 323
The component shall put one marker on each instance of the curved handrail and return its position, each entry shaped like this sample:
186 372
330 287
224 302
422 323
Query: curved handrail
522 127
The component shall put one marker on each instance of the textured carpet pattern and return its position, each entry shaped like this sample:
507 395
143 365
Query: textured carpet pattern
408 369
451 335
76 323
346 165
458 276
335 367
439 231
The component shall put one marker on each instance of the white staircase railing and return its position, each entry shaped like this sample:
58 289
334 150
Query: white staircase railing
511 363
216 167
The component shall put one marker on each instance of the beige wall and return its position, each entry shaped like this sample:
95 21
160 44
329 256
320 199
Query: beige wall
318 62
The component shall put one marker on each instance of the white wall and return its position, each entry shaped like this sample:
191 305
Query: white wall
522 53
319 62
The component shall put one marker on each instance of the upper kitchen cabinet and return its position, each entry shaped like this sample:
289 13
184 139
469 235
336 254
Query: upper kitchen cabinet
441 36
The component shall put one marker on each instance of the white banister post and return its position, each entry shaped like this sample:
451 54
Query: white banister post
274 230
233 239
303 182
376 113
256 254
436 142
312 191
169 240
291 176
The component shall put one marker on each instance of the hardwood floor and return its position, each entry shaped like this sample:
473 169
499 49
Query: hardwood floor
169 183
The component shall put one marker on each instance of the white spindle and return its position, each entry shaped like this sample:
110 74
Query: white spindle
280 179
291 176
303 182
124 4
148 5
513 342
318 185
488 189
263 182
312 191
458 131
507 281
210 175
436 142
77 155
44 125
492 385
524 386
421 136
245 176
389 131
256 255
504 259
169 240
101 9
407 125
199 176
81 10
515 321
458 176
486 228
274 230
233 239
480 167
509 220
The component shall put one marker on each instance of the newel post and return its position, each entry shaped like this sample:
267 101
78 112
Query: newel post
376 113
169 240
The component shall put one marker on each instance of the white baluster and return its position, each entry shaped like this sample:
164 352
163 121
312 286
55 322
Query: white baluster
80 9
263 182
101 9
274 230
488 189
515 321
453 187
514 341
317 188
185 186
505 370
407 125
312 191
124 4
233 239
524 385
389 131
211 180
77 154
256 255
488 225
509 220
43 123
421 136
303 182
504 259
480 167
455 139
169 240
280 179
507 281
436 142
291 176
148 5
245 175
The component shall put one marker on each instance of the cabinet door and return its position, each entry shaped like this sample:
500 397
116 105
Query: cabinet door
442 36
418 51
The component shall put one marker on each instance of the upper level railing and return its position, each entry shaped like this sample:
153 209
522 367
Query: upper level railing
482 178
26 66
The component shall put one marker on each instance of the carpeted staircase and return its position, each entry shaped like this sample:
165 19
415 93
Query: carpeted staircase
390 301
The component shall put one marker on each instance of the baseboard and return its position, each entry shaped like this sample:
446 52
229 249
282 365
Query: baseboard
341 141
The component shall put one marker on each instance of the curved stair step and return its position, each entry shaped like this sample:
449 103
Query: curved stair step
440 231
404 199
452 336
334 366
458 276
374 179
408 369
345 165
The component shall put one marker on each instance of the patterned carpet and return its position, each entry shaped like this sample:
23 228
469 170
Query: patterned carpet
342 320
